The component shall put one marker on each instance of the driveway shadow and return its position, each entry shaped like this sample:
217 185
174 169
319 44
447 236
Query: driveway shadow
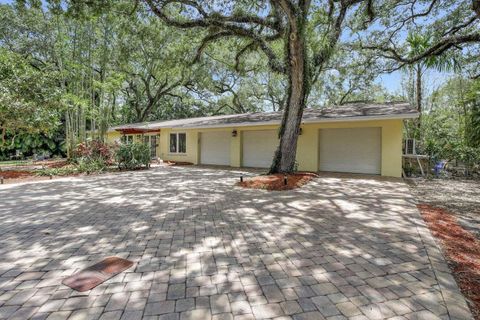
341 246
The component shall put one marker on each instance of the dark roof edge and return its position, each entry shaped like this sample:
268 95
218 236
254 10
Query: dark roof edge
329 114
307 121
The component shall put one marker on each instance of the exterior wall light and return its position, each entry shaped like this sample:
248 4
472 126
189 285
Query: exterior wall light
234 133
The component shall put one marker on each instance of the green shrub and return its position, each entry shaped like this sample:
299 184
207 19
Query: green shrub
91 165
93 156
94 151
65 171
133 155
469 156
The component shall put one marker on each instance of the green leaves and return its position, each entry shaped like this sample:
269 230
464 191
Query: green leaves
420 42
29 98
452 124
133 155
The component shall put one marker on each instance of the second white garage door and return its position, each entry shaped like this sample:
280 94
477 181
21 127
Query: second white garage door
215 148
355 150
258 148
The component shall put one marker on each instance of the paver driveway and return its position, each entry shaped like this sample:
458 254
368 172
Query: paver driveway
337 248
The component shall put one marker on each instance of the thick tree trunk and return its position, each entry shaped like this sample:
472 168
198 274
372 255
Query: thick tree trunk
3 134
284 158
476 7
146 112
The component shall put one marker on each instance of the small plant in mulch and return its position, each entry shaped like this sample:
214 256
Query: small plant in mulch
68 170
462 250
276 182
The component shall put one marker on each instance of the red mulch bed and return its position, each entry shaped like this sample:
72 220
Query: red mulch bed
13 174
178 163
275 182
57 164
462 250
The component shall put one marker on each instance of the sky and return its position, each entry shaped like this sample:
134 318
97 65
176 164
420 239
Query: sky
392 82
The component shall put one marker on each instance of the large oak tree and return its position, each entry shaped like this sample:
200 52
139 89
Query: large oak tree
260 25
310 32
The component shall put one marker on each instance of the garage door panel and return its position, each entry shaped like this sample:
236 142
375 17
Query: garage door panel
355 150
258 148
215 148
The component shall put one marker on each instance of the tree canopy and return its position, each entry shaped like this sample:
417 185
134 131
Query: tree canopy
93 64
312 34
29 98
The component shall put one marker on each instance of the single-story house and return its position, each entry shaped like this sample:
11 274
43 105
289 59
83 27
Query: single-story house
355 138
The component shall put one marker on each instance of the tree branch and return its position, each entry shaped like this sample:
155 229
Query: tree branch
226 26
435 50
321 57
240 53
208 39
411 17
457 28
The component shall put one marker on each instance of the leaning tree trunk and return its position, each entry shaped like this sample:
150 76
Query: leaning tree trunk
284 158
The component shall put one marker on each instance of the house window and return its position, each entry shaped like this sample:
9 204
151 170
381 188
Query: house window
182 143
173 143
127 139
178 142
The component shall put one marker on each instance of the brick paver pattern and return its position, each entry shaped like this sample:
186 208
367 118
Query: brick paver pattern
338 248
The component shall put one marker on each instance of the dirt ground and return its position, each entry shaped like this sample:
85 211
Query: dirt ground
24 171
460 197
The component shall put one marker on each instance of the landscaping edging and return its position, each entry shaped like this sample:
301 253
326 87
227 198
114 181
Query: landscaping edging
455 302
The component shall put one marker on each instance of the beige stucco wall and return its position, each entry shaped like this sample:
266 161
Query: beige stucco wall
392 132
192 146
307 149
113 136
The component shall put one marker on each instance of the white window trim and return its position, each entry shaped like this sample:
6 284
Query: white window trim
178 143
128 137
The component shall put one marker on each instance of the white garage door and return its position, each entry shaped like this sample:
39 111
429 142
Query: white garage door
259 147
215 148
356 150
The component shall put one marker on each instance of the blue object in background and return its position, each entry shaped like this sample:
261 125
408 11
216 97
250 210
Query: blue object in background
439 166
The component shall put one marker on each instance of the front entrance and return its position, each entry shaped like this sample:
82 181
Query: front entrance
151 141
